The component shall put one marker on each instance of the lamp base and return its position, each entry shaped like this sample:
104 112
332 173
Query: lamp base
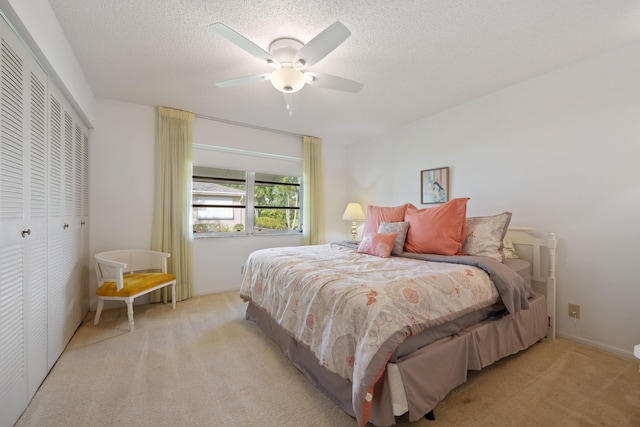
354 230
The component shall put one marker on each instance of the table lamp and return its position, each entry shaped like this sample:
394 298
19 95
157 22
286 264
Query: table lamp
353 213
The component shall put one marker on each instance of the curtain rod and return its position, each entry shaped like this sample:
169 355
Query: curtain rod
215 119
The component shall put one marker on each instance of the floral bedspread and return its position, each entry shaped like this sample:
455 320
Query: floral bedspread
352 310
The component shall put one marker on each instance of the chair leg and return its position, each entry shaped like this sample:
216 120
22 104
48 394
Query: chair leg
130 314
99 311
173 295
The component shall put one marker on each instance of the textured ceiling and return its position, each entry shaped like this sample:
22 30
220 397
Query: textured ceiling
414 57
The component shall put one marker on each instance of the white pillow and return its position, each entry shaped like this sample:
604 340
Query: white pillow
485 235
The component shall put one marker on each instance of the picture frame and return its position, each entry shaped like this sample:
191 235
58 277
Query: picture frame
434 186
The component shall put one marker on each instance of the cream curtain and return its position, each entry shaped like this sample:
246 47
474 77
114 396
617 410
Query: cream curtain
312 190
171 230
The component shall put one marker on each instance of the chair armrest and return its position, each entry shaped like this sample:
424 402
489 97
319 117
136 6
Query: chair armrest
110 271
110 263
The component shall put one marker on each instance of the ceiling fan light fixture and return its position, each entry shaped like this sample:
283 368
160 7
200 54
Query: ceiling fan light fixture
287 79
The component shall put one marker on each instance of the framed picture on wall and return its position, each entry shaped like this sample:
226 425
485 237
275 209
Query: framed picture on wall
434 185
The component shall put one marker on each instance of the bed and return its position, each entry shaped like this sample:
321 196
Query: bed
387 335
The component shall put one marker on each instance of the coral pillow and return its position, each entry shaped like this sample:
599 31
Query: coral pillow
438 230
378 244
377 214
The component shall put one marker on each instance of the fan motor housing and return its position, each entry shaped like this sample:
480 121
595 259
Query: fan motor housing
285 49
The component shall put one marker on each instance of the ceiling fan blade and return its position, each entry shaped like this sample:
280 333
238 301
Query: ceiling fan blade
328 81
321 45
245 44
244 80
292 101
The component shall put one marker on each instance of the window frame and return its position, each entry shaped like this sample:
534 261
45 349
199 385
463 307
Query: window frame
249 205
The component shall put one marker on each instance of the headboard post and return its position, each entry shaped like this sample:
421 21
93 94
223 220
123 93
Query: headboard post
525 237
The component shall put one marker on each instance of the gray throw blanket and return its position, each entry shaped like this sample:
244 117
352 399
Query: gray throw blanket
512 288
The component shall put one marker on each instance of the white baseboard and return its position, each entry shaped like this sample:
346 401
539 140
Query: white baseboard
627 354
202 292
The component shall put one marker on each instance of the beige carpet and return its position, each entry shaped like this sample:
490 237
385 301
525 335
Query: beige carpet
205 365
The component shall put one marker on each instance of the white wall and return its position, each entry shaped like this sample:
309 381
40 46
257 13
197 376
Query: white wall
121 173
121 179
218 261
560 151
335 192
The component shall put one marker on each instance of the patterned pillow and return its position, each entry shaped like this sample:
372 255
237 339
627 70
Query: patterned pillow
395 227
485 235
508 250
377 244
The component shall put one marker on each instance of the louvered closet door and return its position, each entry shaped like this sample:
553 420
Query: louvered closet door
13 375
75 290
23 211
68 299
55 300
56 304
84 223
85 219
36 243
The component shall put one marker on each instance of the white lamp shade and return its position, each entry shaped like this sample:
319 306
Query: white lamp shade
287 79
353 212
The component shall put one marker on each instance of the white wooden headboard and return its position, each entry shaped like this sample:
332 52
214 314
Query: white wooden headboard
540 251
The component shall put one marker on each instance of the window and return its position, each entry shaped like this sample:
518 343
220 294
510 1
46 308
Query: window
214 213
233 202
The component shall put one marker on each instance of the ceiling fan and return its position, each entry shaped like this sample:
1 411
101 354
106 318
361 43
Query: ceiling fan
291 60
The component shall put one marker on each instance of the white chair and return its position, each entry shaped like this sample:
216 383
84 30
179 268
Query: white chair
126 274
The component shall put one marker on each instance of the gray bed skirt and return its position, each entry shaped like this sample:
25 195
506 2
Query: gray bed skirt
430 372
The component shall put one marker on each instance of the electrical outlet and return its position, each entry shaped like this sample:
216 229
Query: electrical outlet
574 311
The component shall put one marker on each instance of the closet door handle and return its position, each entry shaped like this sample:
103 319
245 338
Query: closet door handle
65 226
25 232
82 222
